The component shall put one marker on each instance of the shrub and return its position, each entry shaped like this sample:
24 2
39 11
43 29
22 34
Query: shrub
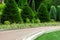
43 14
53 12
37 21
27 20
52 20
58 13
33 20
6 22
20 10
10 12
27 12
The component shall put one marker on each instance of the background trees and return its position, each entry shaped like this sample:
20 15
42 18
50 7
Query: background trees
30 10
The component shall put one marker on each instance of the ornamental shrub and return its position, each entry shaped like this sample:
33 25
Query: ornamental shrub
43 13
53 12
27 12
11 12
27 20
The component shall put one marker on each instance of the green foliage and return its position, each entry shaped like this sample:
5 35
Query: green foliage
22 3
5 1
6 22
56 2
37 3
58 13
53 12
49 36
43 14
27 12
52 20
34 20
27 20
2 6
37 20
10 12
33 4
48 4
21 20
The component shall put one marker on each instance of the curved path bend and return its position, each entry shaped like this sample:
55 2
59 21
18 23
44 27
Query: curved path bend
22 33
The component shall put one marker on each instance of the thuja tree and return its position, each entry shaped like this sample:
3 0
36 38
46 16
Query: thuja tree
10 12
43 14
27 12
53 12
58 13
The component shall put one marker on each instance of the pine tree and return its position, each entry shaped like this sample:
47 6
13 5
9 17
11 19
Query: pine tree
10 12
43 13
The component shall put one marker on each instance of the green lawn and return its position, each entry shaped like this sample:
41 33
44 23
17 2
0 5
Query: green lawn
50 36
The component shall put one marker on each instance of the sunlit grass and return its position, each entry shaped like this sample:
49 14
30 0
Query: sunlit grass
27 25
49 36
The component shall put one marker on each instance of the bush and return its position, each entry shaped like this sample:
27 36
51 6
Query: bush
6 22
20 10
10 12
43 14
52 20
27 12
58 13
27 20
53 12
37 21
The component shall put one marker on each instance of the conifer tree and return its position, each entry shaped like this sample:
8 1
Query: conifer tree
53 12
43 14
10 13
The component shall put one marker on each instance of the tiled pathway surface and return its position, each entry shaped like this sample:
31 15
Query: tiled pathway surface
22 33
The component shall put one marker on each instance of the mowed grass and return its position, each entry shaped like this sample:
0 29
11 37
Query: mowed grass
50 36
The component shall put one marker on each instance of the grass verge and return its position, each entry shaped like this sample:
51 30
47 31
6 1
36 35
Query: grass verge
50 36
27 25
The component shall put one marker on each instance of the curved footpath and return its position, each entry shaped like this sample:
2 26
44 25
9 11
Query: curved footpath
25 34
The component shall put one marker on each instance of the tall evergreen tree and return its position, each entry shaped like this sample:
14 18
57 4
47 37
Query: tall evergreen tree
53 12
10 12
27 12
43 14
